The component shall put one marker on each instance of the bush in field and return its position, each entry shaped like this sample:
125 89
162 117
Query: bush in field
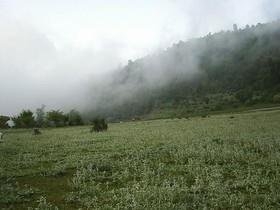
25 119
36 131
3 121
276 98
56 118
74 118
99 125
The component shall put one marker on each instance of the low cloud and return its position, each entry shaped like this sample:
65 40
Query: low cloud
56 63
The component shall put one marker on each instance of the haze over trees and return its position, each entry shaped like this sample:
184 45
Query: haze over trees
220 71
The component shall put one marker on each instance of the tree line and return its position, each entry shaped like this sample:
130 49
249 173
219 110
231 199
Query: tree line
40 118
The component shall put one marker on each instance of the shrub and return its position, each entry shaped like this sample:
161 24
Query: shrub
36 131
99 125
276 98
74 118
56 118
3 121
25 119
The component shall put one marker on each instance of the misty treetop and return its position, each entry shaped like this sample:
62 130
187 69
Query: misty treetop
226 69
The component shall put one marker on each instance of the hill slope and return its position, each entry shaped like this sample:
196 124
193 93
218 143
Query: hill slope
223 70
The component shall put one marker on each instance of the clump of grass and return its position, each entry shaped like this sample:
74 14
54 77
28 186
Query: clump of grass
217 141
205 115
43 205
11 193
58 170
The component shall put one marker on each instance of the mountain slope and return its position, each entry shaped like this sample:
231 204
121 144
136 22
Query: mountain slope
226 69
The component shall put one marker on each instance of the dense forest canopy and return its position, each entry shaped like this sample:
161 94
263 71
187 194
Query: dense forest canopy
229 68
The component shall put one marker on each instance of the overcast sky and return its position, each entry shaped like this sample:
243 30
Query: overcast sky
49 49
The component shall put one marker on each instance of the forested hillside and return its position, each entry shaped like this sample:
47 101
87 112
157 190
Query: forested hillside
219 71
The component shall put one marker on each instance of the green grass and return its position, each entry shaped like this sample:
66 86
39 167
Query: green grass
200 109
219 162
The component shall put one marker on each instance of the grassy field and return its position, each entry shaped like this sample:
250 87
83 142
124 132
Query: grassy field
227 161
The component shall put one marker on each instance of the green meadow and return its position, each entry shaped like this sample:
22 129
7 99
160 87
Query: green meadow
225 161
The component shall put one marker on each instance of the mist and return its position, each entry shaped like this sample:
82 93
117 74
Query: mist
68 55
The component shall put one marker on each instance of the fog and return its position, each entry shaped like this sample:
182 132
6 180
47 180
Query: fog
57 54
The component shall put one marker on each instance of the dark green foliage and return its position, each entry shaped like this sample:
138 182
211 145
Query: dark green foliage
99 125
244 95
53 118
11 193
56 118
74 118
36 131
25 119
3 122
204 115
276 98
